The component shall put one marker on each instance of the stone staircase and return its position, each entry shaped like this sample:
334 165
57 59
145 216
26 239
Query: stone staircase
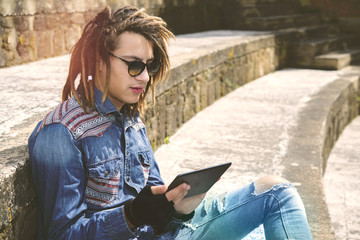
268 8
323 46
273 14
329 48
280 22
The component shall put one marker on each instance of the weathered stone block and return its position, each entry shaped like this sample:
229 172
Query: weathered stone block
170 97
45 6
6 22
59 41
72 34
8 38
44 44
4 59
77 18
26 7
55 21
21 23
89 15
189 98
211 92
171 121
7 7
40 23
26 46
160 112
203 91
63 6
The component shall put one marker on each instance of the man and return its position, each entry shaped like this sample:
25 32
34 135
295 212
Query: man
93 167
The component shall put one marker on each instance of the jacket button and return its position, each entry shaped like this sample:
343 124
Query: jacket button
106 172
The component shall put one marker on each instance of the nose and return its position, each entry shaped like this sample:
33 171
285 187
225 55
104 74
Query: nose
144 76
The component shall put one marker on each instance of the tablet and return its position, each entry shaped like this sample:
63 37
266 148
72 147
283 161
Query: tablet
200 180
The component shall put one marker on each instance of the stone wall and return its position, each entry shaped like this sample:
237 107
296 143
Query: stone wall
197 91
342 112
35 29
32 30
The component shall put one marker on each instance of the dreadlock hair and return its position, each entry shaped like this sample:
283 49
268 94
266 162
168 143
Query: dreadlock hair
99 38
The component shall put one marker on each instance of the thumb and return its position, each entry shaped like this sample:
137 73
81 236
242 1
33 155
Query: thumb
158 189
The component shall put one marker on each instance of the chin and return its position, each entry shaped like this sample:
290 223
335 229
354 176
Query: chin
133 102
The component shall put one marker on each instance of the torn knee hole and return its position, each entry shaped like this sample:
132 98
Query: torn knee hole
264 184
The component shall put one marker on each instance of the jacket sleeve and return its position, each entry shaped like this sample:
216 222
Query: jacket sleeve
60 179
154 176
154 173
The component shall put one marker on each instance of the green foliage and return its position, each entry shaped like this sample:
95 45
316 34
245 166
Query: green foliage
229 83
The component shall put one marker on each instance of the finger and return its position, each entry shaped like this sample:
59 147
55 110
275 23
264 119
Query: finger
178 193
158 189
181 196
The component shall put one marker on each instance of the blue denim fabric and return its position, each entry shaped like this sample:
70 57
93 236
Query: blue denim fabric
236 214
85 166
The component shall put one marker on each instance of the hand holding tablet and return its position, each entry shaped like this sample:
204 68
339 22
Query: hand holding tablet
200 180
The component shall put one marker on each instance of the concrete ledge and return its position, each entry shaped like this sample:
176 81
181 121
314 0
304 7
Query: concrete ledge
341 181
319 125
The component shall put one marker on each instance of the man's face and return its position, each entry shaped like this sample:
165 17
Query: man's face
124 88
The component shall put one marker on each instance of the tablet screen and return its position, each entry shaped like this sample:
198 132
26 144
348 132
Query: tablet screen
200 180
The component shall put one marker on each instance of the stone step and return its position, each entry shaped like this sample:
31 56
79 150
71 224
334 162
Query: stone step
257 2
311 32
302 53
267 10
280 22
321 31
337 60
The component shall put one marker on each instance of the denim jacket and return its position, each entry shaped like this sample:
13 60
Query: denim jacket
85 166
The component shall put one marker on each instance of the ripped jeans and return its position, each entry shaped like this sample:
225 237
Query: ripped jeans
234 215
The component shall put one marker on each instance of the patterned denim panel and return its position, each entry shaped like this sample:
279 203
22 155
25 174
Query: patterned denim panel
80 123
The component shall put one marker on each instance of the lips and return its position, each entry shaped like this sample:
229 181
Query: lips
137 90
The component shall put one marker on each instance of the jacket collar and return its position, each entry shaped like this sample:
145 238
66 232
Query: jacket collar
107 107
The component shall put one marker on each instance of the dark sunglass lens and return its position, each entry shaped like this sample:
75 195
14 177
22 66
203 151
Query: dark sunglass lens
136 68
154 67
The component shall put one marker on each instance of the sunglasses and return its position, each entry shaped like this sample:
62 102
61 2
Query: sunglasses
135 68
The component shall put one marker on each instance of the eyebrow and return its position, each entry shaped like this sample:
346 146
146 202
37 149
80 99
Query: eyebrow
138 59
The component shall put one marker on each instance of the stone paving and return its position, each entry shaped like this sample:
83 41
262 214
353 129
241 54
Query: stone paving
342 183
